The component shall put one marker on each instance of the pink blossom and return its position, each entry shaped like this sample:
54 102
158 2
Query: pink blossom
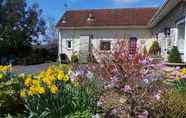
143 62
157 96
144 114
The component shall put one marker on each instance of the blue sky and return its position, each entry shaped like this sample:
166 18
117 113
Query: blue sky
54 9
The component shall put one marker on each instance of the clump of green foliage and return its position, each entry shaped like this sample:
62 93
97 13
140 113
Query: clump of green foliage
171 105
155 49
10 101
75 57
174 55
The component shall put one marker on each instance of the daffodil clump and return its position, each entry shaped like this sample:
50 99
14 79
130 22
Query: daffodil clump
5 71
6 68
181 73
48 81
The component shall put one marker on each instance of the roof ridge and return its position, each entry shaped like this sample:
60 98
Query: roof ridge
99 9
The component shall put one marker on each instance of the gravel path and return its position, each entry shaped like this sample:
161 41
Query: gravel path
31 68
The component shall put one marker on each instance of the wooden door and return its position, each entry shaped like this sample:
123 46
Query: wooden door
132 45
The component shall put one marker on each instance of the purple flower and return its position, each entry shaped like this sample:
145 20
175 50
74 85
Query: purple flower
126 88
80 72
183 76
178 68
73 77
146 81
114 81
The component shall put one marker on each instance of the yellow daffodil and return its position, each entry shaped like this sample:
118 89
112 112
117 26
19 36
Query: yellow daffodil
66 78
23 93
44 81
36 82
60 75
5 68
47 80
30 93
41 90
28 82
54 89
183 71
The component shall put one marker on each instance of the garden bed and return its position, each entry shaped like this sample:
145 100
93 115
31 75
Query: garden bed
129 87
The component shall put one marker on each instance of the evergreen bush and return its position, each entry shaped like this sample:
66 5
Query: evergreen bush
174 56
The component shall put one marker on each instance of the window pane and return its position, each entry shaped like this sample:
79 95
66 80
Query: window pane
69 44
105 45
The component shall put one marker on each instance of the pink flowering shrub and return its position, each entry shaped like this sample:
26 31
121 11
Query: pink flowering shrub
132 74
121 67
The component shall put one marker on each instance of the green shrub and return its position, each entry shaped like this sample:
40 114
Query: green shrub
75 57
174 55
171 105
155 49
10 102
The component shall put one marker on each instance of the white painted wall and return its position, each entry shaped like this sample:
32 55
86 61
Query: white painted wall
185 42
144 37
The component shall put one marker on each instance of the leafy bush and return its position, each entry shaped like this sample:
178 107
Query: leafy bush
171 105
155 49
38 56
174 55
75 57
10 101
51 94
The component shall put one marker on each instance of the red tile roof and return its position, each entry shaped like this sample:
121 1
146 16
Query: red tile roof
108 17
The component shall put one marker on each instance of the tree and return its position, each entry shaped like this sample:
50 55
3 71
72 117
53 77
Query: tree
20 27
174 55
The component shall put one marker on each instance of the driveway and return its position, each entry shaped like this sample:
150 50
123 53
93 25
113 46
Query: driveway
31 68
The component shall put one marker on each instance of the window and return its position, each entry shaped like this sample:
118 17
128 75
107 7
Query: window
105 45
69 44
132 45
